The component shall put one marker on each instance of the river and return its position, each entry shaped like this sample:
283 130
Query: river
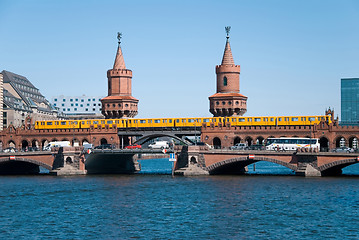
153 205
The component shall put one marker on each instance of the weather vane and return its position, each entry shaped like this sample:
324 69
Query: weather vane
119 36
228 29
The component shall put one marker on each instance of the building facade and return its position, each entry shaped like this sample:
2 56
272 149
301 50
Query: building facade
23 104
227 101
350 101
78 105
119 103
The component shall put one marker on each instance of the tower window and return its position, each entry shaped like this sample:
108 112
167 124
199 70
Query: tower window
225 81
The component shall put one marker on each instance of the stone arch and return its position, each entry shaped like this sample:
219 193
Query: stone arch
260 140
34 143
249 140
24 144
353 142
335 168
236 140
69 160
84 141
242 162
44 142
103 141
35 162
217 143
324 144
193 160
11 143
339 141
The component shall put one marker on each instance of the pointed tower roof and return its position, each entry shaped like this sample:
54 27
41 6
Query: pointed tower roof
119 61
227 55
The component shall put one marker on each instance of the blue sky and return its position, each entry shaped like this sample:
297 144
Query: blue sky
292 53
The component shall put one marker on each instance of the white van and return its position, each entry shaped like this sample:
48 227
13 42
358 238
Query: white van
159 145
56 144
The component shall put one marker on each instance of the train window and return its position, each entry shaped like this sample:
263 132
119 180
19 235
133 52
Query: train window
142 121
241 119
42 123
95 122
266 119
164 120
294 119
129 121
311 119
183 120
249 119
150 121
177 120
48 123
170 120
234 119
75 122
157 121
63 123
116 121
88 122
190 120
102 122
257 119
271 119
199 120
83 122
214 120
279 119
206 120
109 122
286 119
56 123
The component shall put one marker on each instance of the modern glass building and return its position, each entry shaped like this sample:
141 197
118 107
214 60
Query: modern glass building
78 105
350 101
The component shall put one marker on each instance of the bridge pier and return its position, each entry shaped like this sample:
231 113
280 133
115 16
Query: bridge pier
190 162
68 161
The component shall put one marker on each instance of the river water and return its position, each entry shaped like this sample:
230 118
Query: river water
157 206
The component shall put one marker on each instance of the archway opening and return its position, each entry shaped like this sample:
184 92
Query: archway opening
353 142
103 141
260 140
324 144
249 141
12 144
217 143
236 140
24 145
340 142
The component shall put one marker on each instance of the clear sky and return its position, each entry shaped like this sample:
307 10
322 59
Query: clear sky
292 53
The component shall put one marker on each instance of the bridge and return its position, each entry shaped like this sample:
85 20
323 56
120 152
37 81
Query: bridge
197 160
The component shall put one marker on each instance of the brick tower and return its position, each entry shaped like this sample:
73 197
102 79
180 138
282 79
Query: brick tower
119 103
227 101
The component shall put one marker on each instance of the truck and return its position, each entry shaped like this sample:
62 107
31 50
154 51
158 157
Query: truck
56 144
159 145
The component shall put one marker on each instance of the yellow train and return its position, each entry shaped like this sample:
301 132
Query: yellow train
183 122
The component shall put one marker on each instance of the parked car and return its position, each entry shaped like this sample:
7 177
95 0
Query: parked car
134 146
159 145
104 146
239 146
256 147
343 149
10 149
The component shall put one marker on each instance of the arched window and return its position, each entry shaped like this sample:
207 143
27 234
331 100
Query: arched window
225 81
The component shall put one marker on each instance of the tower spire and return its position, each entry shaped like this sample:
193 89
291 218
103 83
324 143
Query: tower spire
227 55
119 61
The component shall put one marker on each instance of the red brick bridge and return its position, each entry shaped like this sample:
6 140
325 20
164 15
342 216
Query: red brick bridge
193 160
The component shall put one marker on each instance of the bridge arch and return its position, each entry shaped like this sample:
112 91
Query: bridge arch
260 140
335 168
24 144
228 165
149 137
12 143
21 166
